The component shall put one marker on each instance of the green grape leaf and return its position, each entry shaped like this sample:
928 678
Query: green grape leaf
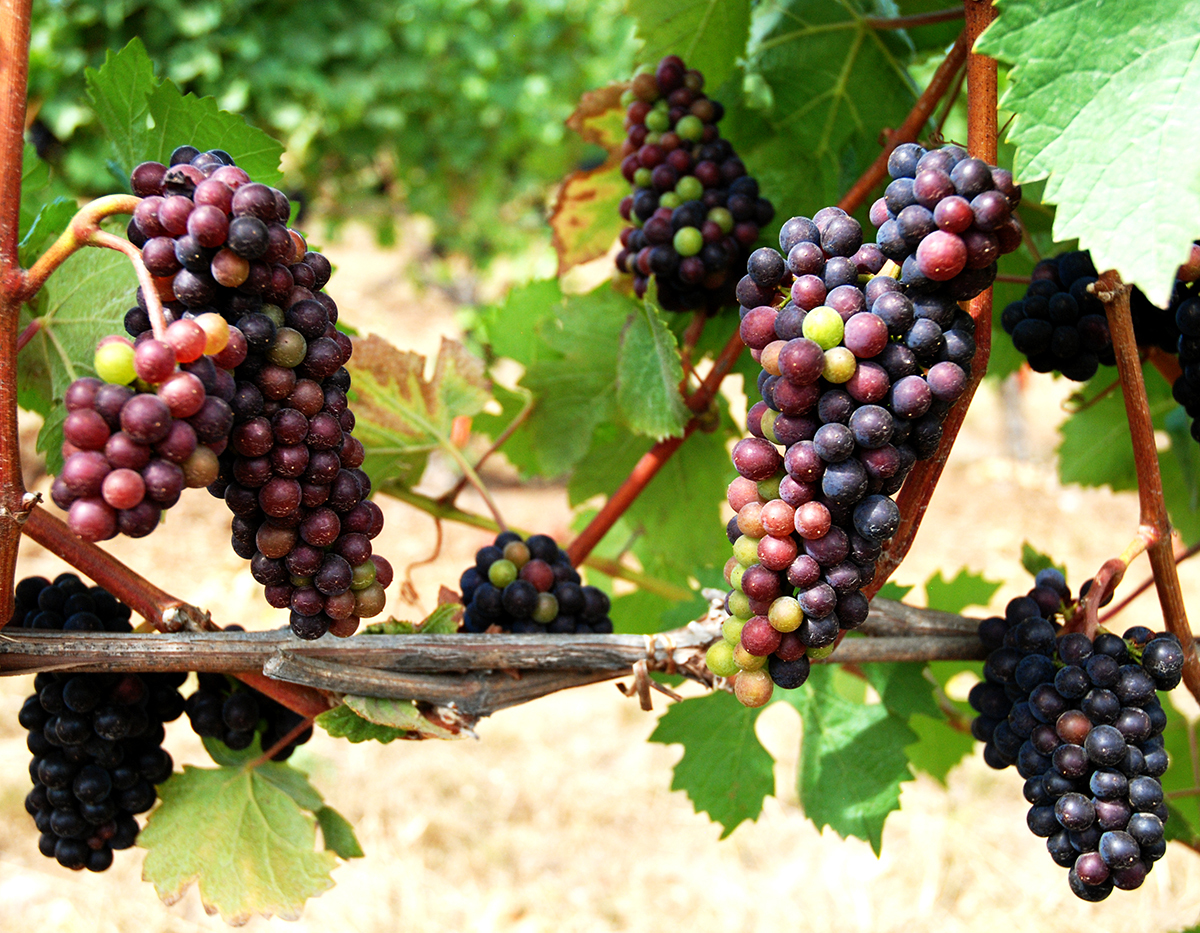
1075 65
965 589
338 834
52 219
442 621
512 404
725 771
404 715
939 746
343 723
147 118
896 591
586 219
513 328
836 789
648 375
1034 561
246 843
903 688
38 189
84 300
709 35
600 119
401 415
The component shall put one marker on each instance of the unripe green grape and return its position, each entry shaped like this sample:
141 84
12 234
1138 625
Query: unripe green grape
689 188
517 552
767 425
274 312
719 659
363 575
546 609
370 601
300 581
114 362
288 348
739 605
823 326
627 97
721 217
657 121
840 365
768 488
690 127
785 614
731 629
636 221
501 573
817 654
747 661
689 241
642 177
745 550
670 199
753 688
735 577
661 104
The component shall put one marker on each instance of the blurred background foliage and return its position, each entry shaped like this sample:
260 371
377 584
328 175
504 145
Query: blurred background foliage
449 108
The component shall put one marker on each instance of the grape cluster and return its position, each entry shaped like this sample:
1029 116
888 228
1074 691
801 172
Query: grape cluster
529 587
151 425
234 713
96 739
694 213
1082 722
945 219
1059 324
288 466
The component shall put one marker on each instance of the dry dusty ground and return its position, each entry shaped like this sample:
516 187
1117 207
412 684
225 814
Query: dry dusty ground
560 818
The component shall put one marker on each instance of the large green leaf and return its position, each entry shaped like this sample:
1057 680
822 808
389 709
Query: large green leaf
649 374
708 35
954 595
725 771
852 759
1082 69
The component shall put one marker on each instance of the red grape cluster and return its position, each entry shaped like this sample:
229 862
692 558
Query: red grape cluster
1081 720
694 213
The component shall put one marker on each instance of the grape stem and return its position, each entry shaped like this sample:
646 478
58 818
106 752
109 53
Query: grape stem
452 495
28 333
281 743
1145 585
1154 523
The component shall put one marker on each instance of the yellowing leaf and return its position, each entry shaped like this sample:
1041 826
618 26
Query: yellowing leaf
586 218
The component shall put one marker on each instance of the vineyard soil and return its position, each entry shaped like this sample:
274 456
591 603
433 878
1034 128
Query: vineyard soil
560 817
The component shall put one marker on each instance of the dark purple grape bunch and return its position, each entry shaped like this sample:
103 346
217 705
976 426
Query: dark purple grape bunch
945 219
527 587
291 471
694 213
96 739
1059 324
234 713
1081 721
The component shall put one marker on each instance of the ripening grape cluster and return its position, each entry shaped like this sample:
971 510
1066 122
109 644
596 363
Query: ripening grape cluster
694 213
96 739
244 393
1082 722
528 586
1059 323
235 713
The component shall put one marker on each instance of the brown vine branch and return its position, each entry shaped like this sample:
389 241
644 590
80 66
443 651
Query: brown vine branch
913 499
913 20
1145 585
282 743
28 333
910 129
1154 522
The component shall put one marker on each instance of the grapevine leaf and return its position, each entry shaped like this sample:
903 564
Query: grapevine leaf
84 301
401 415
600 118
709 35
343 723
638 613
648 375
247 843
903 688
613 453
836 790
53 218
939 746
1183 451
120 93
442 621
966 589
512 406
228 757
338 834
586 216
896 591
38 190
1034 561
1179 490
512 328
725 771
1184 820
1075 65
404 715
934 36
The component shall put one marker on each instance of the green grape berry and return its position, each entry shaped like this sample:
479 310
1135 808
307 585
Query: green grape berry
840 364
502 573
731 629
670 199
689 187
689 127
546 610
689 241
735 577
642 177
823 326
745 550
739 605
114 362
363 575
785 614
719 659
721 217
816 654
768 488
658 121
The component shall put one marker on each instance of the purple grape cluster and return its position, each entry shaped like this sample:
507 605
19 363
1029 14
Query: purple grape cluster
235 713
1082 722
291 471
945 219
96 739
528 586
694 213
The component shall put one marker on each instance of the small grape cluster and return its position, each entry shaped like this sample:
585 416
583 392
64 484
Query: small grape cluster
235 713
1059 324
694 213
289 467
151 425
945 219
528 586
96 739
1082 722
